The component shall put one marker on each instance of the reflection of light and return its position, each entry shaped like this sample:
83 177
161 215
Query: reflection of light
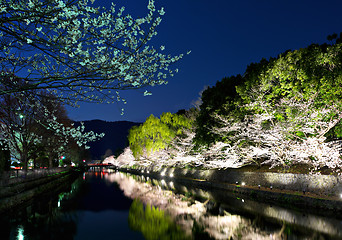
171 185
20 233
155 182
59 203
163 172
147 171
341 195
163 182
243 183
171 174
184 189
243 200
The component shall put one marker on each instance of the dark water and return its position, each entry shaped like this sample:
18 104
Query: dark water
113 205
92 209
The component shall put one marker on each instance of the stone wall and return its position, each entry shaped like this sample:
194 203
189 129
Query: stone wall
323 185
14 195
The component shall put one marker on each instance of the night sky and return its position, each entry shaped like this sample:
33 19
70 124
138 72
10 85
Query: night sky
224 36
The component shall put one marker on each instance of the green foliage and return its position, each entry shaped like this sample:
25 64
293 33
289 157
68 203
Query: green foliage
312 75
153 223
224 99
218 99
156 134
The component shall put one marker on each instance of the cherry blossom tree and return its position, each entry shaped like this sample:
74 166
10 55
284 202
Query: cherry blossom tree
283 134
25 124
78 51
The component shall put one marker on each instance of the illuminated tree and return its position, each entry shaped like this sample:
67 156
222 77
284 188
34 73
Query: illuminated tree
27 124
263 139
77 51
156 134
289 113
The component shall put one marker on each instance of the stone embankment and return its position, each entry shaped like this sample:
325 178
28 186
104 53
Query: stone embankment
18 192
317 191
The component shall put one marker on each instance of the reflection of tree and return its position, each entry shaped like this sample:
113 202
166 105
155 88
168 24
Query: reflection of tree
194 217
45 217
153 223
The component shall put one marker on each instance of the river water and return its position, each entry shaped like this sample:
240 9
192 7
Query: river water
111 205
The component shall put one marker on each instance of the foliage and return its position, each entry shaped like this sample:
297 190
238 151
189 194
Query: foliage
156 134
277 142
282 112
74 52
77 51
153 223
38 129
224 99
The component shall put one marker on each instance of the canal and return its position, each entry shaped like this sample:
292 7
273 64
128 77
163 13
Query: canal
112 205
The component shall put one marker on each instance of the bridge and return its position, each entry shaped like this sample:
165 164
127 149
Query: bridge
101 166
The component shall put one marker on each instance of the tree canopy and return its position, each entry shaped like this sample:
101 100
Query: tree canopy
282 110
156 134
31 128
79 52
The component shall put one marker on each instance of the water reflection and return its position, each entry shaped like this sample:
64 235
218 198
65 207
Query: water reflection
221 215
113 205
88 208
41 218
153 222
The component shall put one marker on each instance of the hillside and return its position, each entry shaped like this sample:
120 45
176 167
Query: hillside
115 136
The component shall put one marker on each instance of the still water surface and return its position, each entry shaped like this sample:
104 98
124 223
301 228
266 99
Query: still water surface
114 205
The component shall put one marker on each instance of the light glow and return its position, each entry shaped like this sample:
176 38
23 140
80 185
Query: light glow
163 173
20 233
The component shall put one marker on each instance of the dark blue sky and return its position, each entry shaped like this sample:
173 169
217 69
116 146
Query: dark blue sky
224 36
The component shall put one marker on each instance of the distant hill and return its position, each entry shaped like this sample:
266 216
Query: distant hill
115 137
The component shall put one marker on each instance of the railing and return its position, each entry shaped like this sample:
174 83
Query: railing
16 176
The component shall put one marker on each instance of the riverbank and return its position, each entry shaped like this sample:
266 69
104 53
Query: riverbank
16 194
298 190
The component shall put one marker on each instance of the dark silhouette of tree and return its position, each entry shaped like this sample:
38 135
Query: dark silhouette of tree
33 129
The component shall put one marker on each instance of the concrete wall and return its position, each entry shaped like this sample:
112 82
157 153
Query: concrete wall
17 194
325 185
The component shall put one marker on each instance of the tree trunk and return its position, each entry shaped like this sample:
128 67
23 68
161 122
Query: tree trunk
5 159
24 159
331 125
50 161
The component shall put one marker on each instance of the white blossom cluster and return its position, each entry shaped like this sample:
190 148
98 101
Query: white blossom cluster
263 139
79 52
77 134
260 138
25 124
